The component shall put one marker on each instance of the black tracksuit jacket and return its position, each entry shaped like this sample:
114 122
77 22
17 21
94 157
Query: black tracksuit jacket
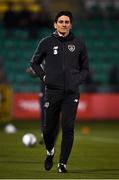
66 62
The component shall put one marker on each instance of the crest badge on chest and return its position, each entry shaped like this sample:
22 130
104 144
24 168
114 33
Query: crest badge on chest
71 47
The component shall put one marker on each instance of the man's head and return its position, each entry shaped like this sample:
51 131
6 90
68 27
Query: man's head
63 22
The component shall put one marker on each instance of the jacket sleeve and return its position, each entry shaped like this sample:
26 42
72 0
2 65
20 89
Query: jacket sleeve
37 59
84 65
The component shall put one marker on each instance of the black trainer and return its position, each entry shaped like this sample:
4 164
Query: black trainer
62 168
49 162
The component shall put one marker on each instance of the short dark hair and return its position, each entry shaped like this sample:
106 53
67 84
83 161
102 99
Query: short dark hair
64 13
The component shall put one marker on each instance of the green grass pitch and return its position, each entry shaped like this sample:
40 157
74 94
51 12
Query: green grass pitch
95 153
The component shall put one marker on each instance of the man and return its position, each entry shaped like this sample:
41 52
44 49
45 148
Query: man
66 66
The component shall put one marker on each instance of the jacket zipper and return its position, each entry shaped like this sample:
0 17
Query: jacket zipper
63 63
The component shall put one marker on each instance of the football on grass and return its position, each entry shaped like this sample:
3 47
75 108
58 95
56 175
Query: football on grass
10 129
29 140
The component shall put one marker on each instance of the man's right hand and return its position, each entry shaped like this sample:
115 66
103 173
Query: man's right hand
30 71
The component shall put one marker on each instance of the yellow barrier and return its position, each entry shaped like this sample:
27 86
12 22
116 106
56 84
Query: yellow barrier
5 103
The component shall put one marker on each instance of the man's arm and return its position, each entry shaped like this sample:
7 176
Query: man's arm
35 68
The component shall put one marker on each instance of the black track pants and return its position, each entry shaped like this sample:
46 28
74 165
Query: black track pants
59 104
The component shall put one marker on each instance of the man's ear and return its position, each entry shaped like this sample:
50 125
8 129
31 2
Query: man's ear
55 25
71 26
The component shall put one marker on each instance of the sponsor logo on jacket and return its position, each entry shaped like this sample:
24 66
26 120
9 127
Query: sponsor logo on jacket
55 50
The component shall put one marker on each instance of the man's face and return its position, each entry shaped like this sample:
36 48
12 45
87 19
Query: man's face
63 25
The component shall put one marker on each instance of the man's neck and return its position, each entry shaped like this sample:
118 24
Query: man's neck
62 34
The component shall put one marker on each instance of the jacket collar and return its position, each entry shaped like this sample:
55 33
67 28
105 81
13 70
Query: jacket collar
63 39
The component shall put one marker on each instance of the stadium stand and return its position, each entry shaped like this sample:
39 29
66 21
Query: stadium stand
33 5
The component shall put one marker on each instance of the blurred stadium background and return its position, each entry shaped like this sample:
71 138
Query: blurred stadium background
22 24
